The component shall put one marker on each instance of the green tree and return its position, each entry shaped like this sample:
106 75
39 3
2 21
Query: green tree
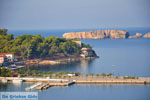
64 77
34 46
50 73
92 74
79 73
103 74
5 72
28 72
59 76
20 71
33 72
3 31
110 74
97 75
86 75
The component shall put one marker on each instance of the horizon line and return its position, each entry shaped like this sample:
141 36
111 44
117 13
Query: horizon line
73 28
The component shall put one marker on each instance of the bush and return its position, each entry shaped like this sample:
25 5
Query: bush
130 77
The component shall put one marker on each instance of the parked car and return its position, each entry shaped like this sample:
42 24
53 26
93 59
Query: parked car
13 65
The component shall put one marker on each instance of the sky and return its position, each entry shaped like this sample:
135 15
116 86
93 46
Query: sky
70 14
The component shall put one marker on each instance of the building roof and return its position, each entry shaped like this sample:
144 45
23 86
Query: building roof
15 73
5 54
2 56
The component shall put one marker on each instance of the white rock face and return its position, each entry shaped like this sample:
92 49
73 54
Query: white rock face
100 34
138 35
147 35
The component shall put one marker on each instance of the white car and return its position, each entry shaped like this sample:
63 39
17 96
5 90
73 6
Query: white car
70 74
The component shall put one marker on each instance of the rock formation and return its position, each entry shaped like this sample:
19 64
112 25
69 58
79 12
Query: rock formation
138 35
147 35
88 52
101 34
115 34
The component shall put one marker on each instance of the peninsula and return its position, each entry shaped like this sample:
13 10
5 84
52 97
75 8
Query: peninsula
103 34
35 49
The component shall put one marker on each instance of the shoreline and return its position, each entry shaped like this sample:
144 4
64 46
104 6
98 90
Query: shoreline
64 60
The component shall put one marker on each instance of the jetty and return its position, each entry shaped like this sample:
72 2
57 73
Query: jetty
45 83
45 86
33 86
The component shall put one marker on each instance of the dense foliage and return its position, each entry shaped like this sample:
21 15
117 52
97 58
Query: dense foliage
33 46
4 72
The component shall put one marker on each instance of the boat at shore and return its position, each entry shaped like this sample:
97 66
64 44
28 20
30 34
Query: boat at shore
17 81
4 80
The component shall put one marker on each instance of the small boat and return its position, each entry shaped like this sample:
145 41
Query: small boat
4 80
17 81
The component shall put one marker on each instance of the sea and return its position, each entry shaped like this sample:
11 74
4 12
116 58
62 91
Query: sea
121 57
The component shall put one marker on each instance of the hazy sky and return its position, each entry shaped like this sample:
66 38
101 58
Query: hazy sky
58 14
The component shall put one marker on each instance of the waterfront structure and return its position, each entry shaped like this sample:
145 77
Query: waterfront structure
87 52
9 56
4 80
17 80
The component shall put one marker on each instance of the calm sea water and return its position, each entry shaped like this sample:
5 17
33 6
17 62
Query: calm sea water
87 92
59 32
120 57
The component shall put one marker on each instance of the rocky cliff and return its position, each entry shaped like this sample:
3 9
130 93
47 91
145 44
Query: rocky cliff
101 34
138 35
147 35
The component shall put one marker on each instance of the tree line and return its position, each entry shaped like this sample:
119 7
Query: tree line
36 46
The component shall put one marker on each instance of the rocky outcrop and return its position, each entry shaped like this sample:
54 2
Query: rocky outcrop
138 35
44 62
147 35
115 34
88 52
100 34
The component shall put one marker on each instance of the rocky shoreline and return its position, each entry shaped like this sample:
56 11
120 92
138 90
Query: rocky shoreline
103 34
57 61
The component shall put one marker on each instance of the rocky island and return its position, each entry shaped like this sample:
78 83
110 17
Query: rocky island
147 35
138 35
103 34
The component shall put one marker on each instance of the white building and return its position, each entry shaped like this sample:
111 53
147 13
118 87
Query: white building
87 52
2 59
9 56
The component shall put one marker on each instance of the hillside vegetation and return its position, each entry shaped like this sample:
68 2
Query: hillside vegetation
36 46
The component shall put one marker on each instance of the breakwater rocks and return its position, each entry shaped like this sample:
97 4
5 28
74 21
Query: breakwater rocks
103 34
